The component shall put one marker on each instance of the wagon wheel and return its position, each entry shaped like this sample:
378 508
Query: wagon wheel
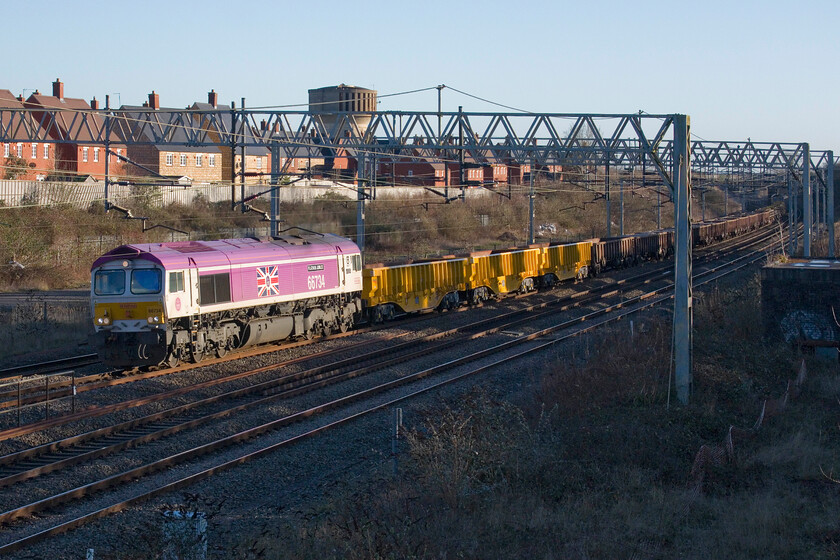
174 358
342 325
309 334
197 355
325 329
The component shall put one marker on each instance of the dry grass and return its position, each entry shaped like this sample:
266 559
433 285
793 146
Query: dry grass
592 464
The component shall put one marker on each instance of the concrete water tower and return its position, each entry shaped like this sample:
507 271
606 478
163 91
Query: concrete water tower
343 99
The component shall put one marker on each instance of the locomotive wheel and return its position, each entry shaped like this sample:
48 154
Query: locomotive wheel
222 350
197 356
174 359
342 326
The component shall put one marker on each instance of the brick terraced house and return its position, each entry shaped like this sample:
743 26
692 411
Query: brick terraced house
76 118
202 164
38 157
257 159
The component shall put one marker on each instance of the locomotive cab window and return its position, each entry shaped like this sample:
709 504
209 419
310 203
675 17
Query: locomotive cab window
214 288
357 262
145 281
176 282
109 282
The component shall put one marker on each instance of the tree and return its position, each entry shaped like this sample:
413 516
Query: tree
15 167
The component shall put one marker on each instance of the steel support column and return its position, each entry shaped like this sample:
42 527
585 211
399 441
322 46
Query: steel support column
658 208
795 224
621 208
242 157
829 183
360 207
807 203
107 151
791 218
232 155
275 194
531 196
681 181
607 196
817 207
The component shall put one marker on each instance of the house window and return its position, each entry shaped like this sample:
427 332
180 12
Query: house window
411 173
84 154
169 160
20 150
119 153
211 160
198 160
96 154
46 151
183 160
259 163
6 150
34 151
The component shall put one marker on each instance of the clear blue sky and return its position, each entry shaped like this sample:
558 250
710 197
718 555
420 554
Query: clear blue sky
768 70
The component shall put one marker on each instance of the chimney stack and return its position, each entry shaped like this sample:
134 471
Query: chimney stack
263 125
212 98
94 104
58 89
154 100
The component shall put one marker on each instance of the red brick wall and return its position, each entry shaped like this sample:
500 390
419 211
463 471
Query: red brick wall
42 167
74 157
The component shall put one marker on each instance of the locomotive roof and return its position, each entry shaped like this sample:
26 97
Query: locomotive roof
179 254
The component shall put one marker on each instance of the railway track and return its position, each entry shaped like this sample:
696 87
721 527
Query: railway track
58 296
51 366
64 387
128 436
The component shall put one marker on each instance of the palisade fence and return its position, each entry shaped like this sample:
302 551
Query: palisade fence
83 194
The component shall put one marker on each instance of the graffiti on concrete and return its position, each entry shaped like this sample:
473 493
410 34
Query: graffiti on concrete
807 325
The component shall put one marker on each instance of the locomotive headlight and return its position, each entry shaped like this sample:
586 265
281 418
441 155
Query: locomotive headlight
153 320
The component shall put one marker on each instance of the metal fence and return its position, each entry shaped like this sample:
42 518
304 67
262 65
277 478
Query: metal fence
83 194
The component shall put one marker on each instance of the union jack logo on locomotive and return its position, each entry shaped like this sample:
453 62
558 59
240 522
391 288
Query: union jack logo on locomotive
268 282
